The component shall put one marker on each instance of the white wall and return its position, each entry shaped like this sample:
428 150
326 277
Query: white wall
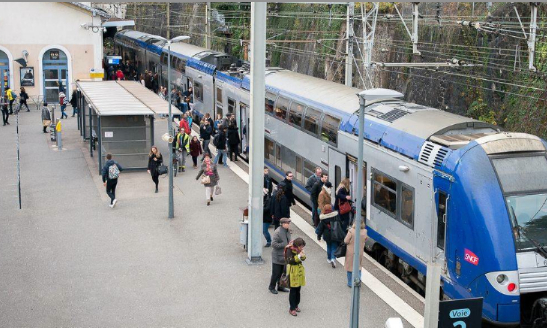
38 26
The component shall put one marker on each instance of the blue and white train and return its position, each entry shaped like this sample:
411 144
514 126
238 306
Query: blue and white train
479 195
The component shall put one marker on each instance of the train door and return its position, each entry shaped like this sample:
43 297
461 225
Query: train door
422 203
337 166
352 174
244 129
442 199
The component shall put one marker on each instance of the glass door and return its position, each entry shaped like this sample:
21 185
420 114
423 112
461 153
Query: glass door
55 81
4 76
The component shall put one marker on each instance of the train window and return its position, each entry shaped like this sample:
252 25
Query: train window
309 169
278 155
198 91
329 129
281 106
231 105
269 150
219 95
173 61
181 65
385 193
407 206
288 159
311 120
295 114
164 58
270 100
298 170
441 219
337 175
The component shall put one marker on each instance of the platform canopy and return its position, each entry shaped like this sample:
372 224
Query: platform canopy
148 98
109 98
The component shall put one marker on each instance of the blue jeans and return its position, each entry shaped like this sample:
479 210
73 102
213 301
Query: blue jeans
221 152
350 275
266 233
63 114
74 110
331 247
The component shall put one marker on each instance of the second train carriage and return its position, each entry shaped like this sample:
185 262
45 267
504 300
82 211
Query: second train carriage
433 178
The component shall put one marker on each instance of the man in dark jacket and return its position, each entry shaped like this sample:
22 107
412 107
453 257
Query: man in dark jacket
233 141
279 206
309 185
221 147
286 184
268 185
74 102
205 132
110 172
314 195
280 239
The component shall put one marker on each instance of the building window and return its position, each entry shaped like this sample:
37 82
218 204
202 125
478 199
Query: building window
295 114
198 91
311 120
281 106
269 105
329 129
385 193
231 105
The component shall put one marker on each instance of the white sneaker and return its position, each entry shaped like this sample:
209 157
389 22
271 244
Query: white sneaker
328 260
111 206
114 203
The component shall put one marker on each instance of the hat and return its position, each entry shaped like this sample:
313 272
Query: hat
328 184
285 220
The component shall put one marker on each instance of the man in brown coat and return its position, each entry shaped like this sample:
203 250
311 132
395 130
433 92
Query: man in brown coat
325 196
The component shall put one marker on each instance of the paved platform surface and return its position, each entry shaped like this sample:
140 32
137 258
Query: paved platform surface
68 260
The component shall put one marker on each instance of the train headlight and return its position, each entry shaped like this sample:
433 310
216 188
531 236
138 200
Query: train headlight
501 278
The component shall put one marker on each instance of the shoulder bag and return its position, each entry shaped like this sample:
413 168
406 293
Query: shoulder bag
162 169
341 250
337 233
205 179
344 207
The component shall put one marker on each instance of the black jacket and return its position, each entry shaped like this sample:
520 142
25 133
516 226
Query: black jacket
106 166
266 213
324 229
205 132
311 181
280 208
73 99
233 136
268 184
287 186
221 141
153 165
315 190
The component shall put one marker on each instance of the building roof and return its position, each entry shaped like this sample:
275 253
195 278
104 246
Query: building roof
98 11
109 98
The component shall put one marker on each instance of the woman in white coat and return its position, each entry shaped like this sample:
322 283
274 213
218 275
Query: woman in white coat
350 241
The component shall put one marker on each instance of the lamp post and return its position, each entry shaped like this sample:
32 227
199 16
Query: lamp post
364 97
170 119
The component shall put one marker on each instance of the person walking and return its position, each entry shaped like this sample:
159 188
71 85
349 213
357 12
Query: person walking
266 219
46 117
23 96
183 148
350 242
280 239
183 124
268 185
279 207
327 217
62 103
343 197
286 184
208 169
233 140
195 150
221 147
74 101
119 75
110 173
297 274
155 159
309 185
205 132
325 196
208 118
314 196
5 111
11 95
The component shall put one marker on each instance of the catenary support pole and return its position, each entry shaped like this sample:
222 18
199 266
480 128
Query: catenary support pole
356 286
415 17
349 43
532 39
168 21
170 131
256 146
208 25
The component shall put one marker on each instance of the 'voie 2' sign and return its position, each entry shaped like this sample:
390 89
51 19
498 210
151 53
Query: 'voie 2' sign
465 313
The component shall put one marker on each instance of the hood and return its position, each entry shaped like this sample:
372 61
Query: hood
110 162
328 216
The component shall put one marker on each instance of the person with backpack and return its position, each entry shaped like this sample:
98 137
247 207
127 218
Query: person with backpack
266 219
209 177
63 102
155 159
195 150
325 230
183 148
23 96
280 239
11 97
219 141
110 173
294 256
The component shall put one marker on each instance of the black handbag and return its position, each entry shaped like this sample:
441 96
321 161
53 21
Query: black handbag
162 169
341 250
337 233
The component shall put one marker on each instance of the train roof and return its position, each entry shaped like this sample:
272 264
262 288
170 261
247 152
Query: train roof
188 50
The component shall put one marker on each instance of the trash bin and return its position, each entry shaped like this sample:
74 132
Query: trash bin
244 228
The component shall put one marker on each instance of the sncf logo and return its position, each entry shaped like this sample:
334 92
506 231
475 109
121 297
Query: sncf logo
471 257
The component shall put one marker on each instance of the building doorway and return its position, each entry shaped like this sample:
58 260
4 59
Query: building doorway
55 74
4 71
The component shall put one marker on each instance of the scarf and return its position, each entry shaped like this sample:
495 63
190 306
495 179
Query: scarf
208 170
328 190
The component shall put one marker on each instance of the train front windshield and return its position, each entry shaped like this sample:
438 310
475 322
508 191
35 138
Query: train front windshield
529 220
524 183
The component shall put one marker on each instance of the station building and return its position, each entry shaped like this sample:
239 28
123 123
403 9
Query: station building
47 44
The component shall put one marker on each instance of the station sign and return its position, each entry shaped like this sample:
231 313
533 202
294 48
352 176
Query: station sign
96 73
466 313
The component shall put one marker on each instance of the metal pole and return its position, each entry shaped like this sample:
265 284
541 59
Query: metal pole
356 288
208 26
90 132
256 146
433 282
169 131
349 44
532 40
168 21
100 141
415 16
18 161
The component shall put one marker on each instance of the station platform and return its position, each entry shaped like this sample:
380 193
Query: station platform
69 260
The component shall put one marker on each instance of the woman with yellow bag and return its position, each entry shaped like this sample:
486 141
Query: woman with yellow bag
294 256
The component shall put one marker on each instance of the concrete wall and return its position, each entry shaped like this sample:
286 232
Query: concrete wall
39 26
